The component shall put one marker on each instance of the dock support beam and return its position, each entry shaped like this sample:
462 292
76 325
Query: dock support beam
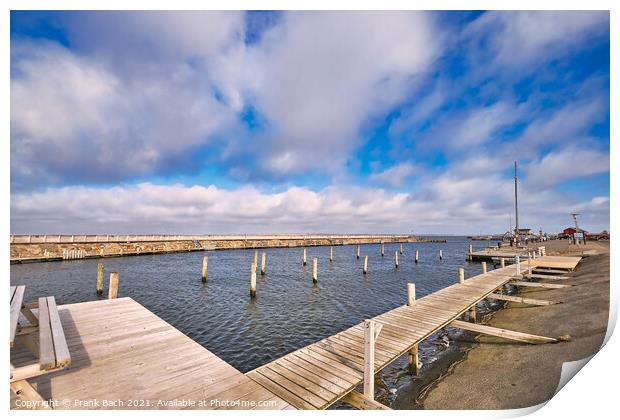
396 259
502 333
358 252
365 269
371 331
502 262
441 254
331 253
304 257
417 256
461 275
382 249
484 267
414 357
401 249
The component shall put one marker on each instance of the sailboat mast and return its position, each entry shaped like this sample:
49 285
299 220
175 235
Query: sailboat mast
516 208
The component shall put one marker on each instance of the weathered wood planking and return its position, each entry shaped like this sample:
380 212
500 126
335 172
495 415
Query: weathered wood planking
121 352
320 374
316 376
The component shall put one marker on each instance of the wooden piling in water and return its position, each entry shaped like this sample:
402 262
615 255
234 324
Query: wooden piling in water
484 267
315 277
382 249
396 259
255 260
253 280
441 254
417 256
263 263
304 257
365 269
331 253
100 278
461 275
502 262
410 294
401 249
113 288
358 252
205 263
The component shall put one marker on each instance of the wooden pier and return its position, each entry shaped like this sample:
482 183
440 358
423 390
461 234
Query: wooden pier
318 375
123 356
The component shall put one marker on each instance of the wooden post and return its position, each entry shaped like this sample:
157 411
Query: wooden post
255 260
263 265
484 267
331 253
472 313
315 277
401 249
304 258
461 275
382 249
369 359
396 259
100 278
417 256
253 281
358 252
518 265
502 262
113 290
410 294
205 264
365 269
529 265
414 358
440 254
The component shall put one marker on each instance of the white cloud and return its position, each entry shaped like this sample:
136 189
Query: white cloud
566 164
520 39
320 76
395 176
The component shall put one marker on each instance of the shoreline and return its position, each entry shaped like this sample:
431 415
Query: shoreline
492 373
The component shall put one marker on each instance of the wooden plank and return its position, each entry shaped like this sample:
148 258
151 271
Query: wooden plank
16 306
281 391
519 299
360 401
541 285
545 277
301 392
63 358
500 332
47 357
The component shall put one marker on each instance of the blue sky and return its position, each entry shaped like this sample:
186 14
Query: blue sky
307 121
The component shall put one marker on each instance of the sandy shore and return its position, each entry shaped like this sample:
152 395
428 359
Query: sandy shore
499 374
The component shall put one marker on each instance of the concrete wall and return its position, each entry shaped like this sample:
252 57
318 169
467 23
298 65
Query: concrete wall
49 251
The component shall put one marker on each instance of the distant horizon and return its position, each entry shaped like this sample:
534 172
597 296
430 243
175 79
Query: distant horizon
245 121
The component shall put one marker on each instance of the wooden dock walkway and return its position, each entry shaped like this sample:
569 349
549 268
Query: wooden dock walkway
318 375
123 356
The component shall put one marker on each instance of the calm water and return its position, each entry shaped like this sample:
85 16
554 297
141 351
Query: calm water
289 311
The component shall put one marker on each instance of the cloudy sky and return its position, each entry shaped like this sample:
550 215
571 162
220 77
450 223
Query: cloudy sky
230 122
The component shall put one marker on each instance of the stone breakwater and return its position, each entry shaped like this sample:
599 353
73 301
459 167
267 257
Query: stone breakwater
24 251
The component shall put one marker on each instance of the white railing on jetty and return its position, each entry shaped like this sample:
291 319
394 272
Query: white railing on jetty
70 239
